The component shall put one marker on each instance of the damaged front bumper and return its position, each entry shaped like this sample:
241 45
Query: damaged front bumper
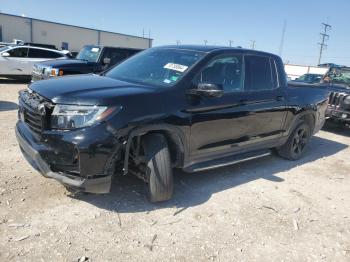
35 153
338 114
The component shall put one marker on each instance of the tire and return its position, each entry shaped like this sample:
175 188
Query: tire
296 144
160 176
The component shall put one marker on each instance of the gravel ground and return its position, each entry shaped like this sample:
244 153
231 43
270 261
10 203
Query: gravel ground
264 210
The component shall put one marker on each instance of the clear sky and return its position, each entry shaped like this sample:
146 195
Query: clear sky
217 21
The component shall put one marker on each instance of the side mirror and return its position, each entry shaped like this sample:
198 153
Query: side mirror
209 90
5 54
106 61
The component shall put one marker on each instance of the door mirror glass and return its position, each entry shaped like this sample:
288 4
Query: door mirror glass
209 90
5 54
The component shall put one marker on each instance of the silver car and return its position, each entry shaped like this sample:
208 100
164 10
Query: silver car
17 61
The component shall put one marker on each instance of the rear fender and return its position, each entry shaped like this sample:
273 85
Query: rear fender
308 116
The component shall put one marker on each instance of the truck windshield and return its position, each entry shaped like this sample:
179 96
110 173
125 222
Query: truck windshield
89 53
158 67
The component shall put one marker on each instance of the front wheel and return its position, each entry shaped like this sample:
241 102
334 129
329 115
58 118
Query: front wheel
296 144
159 171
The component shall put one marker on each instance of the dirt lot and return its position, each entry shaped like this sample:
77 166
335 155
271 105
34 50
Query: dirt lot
265 210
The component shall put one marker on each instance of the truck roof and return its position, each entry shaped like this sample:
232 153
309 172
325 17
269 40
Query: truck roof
211 48
115 47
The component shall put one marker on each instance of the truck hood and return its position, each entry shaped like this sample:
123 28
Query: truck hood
336 87
58 63
88 90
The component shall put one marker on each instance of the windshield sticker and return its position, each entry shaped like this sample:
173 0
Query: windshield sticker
176 67
167 81
174 78
95 49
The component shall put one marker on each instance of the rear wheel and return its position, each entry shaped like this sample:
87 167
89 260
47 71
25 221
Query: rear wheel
296 144
159 171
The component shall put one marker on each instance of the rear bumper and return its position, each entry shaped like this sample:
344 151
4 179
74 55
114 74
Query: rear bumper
32 151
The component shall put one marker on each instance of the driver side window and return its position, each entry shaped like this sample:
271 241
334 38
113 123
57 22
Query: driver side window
225 71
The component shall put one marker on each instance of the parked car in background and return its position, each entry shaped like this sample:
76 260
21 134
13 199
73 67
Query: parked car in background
48 46
295 71
74 54
329 65
91 59
17 61
309 78
337 82
2 44
189 107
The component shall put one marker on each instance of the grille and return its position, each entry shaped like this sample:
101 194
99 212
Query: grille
33 110
336 98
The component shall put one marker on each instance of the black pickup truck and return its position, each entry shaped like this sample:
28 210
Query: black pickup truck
189 107
337 82
91 59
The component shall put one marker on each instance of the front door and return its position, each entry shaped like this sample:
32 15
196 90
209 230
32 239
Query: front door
15 64
218 123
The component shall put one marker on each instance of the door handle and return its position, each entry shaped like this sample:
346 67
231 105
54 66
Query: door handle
280 98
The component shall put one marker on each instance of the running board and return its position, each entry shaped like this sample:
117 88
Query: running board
227 161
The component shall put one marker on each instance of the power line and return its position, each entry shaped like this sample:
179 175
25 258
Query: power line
252 44
280 50
325 37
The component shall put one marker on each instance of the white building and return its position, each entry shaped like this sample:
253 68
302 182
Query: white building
294 71
58 34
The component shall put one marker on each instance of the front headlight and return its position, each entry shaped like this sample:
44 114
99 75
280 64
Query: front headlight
53 71
69 117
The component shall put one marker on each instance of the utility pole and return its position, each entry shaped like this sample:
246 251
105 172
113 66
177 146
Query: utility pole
205 42
280 50
325 37
252 44
178 42
230 42
143 33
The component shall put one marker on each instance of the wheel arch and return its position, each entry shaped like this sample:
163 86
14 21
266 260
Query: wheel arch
175 137
308 116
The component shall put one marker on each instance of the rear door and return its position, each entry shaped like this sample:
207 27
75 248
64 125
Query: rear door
264 99
37 55
114 55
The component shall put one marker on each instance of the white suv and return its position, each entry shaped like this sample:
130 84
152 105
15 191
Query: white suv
17 61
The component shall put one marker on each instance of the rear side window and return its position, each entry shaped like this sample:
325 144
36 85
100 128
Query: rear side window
116 55
39 53
18 52
260 73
